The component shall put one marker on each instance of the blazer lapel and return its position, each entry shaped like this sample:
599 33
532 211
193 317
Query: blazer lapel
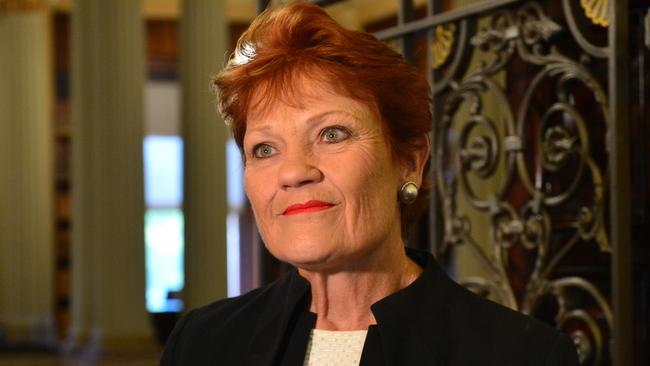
413 321
270 330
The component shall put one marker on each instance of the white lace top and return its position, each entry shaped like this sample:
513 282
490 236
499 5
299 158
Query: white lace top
335 348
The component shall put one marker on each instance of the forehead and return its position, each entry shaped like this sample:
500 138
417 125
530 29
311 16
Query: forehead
304 97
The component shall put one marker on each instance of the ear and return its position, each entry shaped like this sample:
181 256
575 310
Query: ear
414 162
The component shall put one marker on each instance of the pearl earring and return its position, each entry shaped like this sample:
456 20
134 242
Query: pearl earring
408 193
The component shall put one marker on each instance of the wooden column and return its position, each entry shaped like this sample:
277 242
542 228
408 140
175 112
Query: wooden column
108 265
26 184
203 54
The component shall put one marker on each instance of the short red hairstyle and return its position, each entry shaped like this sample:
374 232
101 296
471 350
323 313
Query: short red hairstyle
301 39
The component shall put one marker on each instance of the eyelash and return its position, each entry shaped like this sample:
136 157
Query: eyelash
342 129
322 136
257 147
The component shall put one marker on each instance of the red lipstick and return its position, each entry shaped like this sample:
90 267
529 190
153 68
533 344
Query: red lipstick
309 206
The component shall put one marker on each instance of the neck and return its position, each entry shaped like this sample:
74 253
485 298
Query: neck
342 299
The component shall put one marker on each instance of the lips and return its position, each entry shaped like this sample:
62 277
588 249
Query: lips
309 206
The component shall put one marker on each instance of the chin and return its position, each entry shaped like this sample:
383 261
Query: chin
310 256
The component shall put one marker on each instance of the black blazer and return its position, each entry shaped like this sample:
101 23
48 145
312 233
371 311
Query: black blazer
433 321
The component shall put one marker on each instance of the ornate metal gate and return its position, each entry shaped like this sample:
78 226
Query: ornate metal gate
530 172
530 160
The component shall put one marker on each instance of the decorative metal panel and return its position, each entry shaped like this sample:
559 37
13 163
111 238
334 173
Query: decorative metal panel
521 157
542 157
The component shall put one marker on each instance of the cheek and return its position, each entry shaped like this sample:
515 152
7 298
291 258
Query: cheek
258 190
376 170
369 181
249 186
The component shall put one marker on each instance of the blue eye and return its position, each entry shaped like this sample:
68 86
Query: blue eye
262 151
334 134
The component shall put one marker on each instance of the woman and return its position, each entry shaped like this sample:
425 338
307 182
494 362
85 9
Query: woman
333 126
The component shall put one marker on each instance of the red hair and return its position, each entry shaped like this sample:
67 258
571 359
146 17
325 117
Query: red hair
301 39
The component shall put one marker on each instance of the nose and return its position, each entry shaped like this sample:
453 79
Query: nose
298 169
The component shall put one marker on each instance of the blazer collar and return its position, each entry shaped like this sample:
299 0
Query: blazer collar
272 324
411 322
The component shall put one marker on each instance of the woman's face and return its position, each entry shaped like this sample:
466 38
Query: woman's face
329 157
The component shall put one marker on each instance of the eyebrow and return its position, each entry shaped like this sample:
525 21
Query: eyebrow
311 120
321 116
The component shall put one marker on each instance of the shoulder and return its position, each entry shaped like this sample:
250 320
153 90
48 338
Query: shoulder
214 330
505 336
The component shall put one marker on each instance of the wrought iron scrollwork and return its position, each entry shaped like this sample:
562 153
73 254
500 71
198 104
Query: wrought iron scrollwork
526 148
597 11
443 42
598 18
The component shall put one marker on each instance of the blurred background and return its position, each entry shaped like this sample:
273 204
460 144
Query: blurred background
121 198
